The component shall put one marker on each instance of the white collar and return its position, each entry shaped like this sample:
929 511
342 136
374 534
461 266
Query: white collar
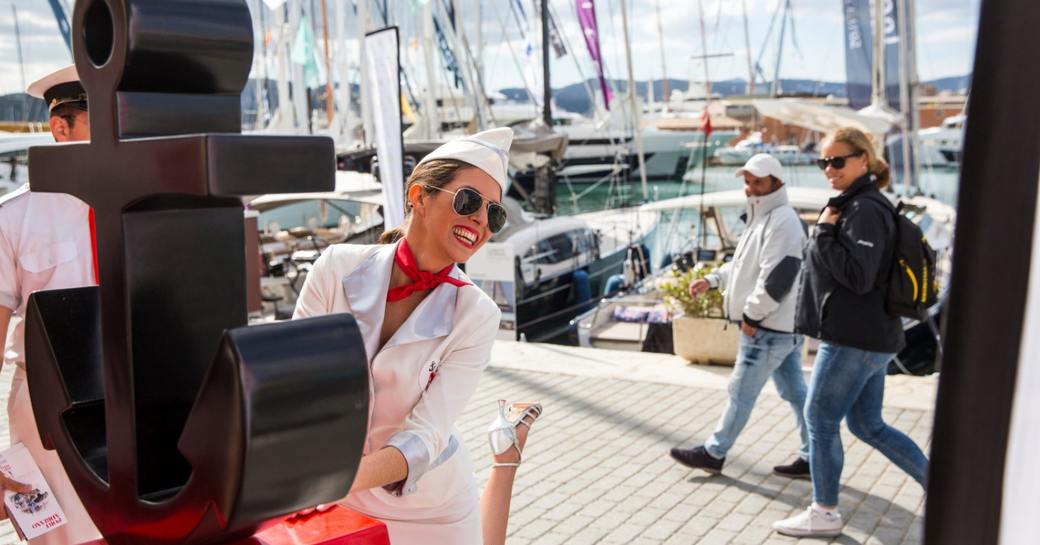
366 288
760 206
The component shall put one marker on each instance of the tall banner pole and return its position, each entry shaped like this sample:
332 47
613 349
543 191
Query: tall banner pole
383 67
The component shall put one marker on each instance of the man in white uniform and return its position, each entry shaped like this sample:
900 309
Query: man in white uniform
45 243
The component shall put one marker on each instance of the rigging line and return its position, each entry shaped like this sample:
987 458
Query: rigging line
512 53
449 84
769 33
480 93
581 73
718 19
794 37
516 17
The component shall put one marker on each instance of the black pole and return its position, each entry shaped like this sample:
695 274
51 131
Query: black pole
704 181
546 88
984 328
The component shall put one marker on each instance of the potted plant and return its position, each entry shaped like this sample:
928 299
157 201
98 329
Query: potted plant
701 333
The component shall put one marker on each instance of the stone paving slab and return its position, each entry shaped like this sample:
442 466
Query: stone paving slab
597 471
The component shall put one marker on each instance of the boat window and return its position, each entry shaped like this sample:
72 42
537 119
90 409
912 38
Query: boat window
540 253
581 241
310 214
562 247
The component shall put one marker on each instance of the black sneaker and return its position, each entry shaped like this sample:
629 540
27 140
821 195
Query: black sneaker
698 458
798 469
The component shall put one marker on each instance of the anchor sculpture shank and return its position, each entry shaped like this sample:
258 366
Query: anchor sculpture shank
175 421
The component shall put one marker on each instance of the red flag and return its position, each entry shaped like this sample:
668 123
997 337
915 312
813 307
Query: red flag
706 123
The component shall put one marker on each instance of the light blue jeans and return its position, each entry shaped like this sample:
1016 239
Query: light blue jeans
849 383
766 354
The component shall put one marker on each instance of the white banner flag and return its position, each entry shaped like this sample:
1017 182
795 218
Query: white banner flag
382 62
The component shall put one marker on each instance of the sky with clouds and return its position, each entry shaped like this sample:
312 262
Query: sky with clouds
814 50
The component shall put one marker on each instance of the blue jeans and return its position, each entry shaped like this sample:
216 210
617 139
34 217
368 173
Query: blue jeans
850 383
766 354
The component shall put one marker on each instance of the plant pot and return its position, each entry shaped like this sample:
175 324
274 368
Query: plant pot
706 340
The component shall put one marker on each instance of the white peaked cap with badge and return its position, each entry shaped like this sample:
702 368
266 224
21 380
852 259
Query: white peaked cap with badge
487 150
761 165
58 87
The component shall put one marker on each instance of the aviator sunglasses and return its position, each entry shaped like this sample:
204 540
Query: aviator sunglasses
838 162
467 201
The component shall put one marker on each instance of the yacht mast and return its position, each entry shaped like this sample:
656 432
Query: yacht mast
431 113
546 85
747 47
665 90
776 90
367 122
344 129
21 67
478 62
330 103
704 56
301 108
637 129
877 96
908 96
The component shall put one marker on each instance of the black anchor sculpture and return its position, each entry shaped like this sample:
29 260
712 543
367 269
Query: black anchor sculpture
175 422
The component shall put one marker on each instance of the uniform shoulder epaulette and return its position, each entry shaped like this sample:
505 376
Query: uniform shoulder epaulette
12 195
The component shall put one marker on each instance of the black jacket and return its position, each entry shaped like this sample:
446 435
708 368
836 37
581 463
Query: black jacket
841 298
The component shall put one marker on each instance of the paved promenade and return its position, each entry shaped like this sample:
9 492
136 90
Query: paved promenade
596 468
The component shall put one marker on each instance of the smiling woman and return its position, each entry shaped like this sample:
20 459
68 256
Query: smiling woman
428 334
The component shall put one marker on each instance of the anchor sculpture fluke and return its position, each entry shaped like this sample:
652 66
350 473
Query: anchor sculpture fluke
175 421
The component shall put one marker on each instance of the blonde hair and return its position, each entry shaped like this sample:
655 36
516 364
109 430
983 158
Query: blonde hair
861 142
436 173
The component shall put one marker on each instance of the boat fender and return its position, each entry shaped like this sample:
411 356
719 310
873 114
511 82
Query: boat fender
614 283
582 288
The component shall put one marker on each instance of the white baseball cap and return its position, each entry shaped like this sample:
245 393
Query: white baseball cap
487 150
761 165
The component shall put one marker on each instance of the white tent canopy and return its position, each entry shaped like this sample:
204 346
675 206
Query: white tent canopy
818 117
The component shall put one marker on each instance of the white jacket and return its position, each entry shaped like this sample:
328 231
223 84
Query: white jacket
757 283
420 382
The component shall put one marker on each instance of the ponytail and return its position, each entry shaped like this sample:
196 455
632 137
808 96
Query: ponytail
392 236
882 173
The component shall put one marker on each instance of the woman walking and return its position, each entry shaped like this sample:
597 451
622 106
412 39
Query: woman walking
428 334
842 303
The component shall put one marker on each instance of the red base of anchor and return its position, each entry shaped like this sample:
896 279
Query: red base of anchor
337 526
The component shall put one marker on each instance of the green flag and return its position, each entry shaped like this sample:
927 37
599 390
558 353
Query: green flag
305 53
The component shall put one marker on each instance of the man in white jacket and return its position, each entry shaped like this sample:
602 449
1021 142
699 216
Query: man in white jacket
757 286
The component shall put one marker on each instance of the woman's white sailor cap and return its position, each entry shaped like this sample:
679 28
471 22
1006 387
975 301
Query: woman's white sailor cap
487 150
59 87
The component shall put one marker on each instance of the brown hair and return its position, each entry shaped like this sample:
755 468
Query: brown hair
67 111
862 143
436 173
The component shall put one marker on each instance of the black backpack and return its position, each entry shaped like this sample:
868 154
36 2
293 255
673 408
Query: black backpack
911 287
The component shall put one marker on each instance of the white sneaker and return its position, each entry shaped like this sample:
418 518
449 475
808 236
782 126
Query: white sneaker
813 522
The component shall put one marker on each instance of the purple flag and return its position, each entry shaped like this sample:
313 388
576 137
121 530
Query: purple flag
587 18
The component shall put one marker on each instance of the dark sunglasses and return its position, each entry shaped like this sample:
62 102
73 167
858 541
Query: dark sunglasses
467 201
838 162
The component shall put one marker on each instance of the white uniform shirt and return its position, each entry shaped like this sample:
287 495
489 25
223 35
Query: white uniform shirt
44 244
420 381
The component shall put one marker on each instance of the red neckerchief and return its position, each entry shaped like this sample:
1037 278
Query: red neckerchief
421 280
